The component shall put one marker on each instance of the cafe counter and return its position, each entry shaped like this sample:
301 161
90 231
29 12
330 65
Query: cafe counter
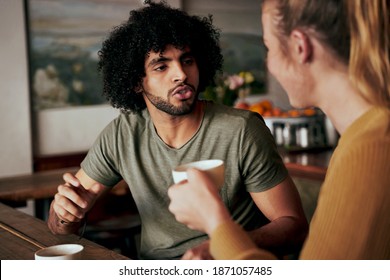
308 164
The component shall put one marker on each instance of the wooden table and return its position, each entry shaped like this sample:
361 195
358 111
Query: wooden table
21 235
40 186
35 186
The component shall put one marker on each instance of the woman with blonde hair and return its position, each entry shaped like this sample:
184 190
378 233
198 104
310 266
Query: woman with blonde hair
334 55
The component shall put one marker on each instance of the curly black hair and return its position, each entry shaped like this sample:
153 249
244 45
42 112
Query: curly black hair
152 28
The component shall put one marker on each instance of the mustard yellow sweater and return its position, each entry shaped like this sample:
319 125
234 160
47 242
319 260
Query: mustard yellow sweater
352 218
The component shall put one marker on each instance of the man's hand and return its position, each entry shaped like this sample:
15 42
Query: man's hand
200 252
73 201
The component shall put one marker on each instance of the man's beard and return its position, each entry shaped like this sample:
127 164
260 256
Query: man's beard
164 105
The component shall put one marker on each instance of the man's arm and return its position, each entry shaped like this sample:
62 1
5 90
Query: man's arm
73 200
197 204
288 226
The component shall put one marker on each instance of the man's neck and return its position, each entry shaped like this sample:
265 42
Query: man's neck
176 131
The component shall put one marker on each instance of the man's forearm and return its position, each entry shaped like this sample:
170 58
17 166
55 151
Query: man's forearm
281 236
58 226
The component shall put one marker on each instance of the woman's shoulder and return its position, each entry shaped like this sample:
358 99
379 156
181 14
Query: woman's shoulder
373 125
368 137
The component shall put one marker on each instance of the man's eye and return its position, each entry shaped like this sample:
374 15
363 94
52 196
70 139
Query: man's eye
160 68
188 61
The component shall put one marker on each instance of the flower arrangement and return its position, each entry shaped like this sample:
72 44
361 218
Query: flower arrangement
228 88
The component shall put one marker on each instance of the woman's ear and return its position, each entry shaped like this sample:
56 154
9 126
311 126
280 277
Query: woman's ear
301 46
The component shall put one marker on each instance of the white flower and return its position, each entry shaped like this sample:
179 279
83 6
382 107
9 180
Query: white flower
235 81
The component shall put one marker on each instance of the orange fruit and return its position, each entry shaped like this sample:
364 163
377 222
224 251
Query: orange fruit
267 105
267 113
276 112
309 112
257 108
293 113
284 115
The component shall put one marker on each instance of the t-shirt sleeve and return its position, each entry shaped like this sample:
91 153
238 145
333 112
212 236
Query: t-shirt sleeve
102 160
262 167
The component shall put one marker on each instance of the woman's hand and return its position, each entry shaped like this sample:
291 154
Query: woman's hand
196 202
200 252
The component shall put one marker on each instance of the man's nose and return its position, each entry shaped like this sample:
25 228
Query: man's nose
179 74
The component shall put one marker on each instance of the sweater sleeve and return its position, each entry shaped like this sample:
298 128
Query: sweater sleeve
230 241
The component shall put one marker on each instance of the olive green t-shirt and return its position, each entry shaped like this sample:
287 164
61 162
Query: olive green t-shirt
130 148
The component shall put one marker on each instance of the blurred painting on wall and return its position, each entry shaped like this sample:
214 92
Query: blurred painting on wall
64 38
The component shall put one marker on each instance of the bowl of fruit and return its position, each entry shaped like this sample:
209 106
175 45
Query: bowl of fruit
291 128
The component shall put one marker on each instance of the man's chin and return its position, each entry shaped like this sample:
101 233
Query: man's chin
186 107
182 111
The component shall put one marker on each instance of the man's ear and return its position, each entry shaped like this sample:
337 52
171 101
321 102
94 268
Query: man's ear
301 46
139 89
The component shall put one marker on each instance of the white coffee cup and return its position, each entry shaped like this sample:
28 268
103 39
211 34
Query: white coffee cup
215 169
60 252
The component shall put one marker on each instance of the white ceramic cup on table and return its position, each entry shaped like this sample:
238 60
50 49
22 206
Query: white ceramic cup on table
214 168
60 252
